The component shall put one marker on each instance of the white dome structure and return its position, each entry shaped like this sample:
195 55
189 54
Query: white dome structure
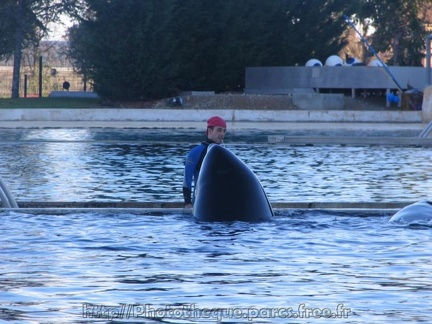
351 61
334 60
313 62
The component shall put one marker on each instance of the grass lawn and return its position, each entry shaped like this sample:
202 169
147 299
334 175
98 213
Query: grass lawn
46 102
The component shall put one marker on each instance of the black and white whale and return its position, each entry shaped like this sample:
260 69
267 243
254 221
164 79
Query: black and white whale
419 212
227 190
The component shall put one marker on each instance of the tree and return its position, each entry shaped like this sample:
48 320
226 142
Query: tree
24 23
399 28
150 49
7 26
317 29
218 39
126 48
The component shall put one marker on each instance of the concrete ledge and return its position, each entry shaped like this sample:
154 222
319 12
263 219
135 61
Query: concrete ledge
306 99
281 91
364 209
167 205
318 101
231 115
162 212
73 94
352 141
198 93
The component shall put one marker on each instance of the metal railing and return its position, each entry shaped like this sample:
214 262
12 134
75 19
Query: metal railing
425 132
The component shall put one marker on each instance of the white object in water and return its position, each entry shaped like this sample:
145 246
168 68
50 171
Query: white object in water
419 212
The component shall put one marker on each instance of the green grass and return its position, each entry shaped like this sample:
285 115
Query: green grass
46 102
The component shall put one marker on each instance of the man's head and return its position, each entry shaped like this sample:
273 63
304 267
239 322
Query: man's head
216 128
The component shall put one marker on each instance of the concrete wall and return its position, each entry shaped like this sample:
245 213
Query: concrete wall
316 101
185 115
282 80
427 105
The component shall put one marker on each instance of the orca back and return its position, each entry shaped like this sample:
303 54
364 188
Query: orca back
227 190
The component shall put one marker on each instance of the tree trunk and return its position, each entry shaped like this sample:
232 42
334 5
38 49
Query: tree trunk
395 47
19 34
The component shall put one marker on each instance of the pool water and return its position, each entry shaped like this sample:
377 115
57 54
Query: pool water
153 266
312 265
146 165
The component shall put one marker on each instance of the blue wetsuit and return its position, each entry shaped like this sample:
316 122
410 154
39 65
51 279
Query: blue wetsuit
192 168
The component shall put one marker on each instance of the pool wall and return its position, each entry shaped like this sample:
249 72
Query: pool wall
231 115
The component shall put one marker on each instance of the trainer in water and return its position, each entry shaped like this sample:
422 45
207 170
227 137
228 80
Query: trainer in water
227 190
216 129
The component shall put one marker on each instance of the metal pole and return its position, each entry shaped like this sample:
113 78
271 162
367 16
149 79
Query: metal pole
40 76
371 49
428 58
25 85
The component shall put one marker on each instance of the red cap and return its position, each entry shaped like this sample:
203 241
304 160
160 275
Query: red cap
216 121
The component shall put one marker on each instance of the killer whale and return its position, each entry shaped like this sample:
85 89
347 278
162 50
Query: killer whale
227 190
419 212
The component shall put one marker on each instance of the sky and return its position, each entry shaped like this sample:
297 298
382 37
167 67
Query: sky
58 30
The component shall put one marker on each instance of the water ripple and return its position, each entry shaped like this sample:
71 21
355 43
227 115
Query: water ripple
65 268
56 263
153 172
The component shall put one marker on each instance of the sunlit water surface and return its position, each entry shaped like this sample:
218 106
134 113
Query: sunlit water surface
79 267
147 165
304 266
